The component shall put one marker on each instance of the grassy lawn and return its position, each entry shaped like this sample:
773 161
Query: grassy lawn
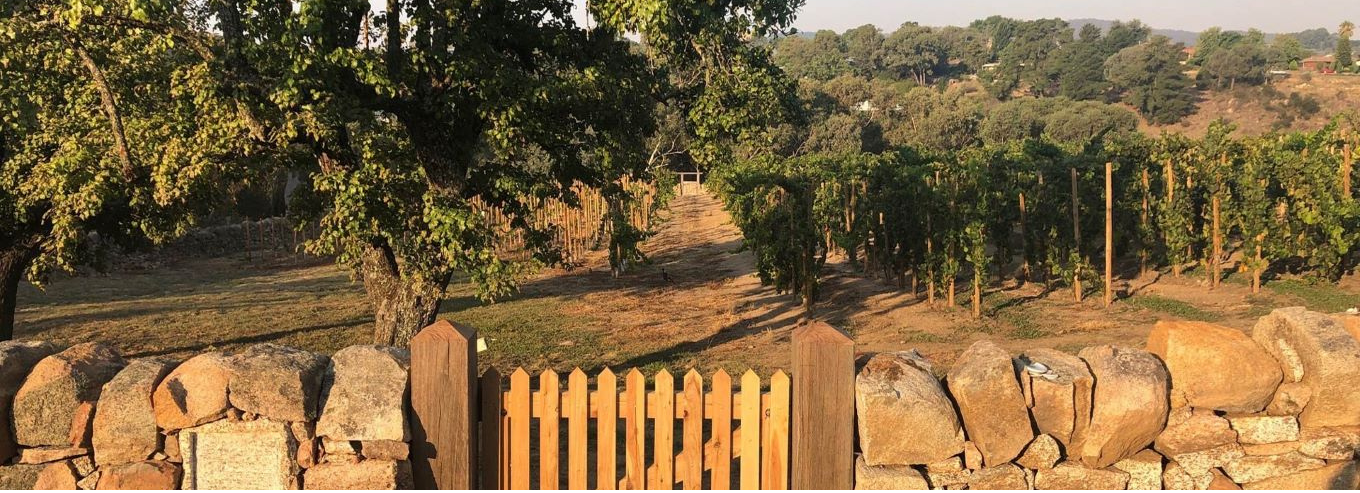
1173 307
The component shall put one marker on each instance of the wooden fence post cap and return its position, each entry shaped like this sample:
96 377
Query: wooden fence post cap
819 332
446 330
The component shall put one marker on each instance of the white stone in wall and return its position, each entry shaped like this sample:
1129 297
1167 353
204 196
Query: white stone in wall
248 455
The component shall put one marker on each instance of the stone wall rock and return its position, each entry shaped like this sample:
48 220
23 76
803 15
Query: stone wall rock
1338 476
46 405
147 475
1193 430
1253 468
1130 405
364 395
1144 470
1314 349
277 382
1059 395
1069 476
17 358
57 476
194 393
1001 477
1215 367
20 476
904 416
124 427
1265 429
984 384
364 475
869 477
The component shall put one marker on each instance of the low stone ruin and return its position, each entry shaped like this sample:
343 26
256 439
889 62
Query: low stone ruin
270 417
1204 407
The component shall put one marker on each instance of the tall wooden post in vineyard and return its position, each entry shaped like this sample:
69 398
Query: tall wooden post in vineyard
1076 236
1024 243
1143 221
1170 202
1347 166
1109 233
1215 263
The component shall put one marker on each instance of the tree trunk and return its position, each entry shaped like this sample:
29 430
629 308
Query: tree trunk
401 307
13 263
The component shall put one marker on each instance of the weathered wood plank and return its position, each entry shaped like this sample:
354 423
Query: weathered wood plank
606 401
692 474
443 406
635 431
491 453
663 454
823 408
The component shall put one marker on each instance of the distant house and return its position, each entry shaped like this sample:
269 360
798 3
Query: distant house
1325 64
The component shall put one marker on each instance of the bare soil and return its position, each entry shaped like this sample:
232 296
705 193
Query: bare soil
707 310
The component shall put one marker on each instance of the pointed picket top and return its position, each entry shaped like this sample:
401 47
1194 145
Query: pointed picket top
750 378
635 374
779 377
548 380
606 375
721 376
693 374
577 374
664 380
491 375
446 330
519 375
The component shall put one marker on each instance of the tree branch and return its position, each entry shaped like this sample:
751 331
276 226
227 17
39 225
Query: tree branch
110 105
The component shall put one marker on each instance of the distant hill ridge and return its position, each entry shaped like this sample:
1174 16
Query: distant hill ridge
1176 35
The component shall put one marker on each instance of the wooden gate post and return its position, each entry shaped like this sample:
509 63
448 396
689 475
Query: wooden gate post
823 408
443 407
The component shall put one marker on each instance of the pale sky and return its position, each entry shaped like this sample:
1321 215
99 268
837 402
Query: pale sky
1272 16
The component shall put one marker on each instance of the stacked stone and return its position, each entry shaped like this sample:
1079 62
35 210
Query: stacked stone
1204 407
269 417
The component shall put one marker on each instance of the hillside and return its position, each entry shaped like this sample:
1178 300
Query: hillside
1259 110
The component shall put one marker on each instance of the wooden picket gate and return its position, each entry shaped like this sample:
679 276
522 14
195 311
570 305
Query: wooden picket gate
532 432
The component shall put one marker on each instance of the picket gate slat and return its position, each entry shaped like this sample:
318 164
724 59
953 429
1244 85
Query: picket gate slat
635 435
492 453
550 402
519 429
750 431
776 467
664 452
606 402
578 424
720 402
692 475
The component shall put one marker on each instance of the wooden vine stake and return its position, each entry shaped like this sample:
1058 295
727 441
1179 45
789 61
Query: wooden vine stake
1024 242
1215 263
1347 165
1170 202
1076 235
1143 220
1109 233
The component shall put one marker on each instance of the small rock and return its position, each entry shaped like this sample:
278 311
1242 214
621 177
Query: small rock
278 382
47 403
1289 400
1175 477
1265 429
1221 481
125 423
1329 443
945 473
1130 405
194 393
146 475
44 455
1253 468
364 398
1339 476
1215 367
1059 396
384 450
1200 463
1191 430
83 464
1042 453
82 425
90 481
1144 469
972 457
1002 477
1314 349
869 477
1070 476
904 416
17 358
984 384
20 476
170 447
1276 448
339 447
365 475
305 435
57 476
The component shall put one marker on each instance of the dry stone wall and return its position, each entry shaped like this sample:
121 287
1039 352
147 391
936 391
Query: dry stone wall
1203 407
269 417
